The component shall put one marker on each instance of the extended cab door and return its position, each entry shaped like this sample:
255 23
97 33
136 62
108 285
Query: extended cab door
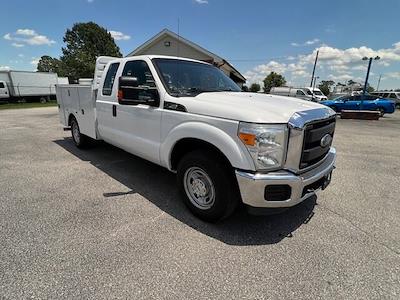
127 120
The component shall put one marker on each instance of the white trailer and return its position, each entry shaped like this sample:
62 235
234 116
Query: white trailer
28 86
309 94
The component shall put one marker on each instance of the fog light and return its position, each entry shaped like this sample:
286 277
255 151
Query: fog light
281 192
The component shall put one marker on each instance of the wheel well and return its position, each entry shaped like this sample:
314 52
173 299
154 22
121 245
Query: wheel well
187 145
70 118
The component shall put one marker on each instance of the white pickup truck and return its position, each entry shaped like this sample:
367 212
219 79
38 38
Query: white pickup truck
226 146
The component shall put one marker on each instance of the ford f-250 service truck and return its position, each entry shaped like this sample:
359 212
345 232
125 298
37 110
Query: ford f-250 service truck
226 146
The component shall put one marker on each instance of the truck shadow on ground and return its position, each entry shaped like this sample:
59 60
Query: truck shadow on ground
158 186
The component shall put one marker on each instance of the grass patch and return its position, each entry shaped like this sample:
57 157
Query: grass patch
27 105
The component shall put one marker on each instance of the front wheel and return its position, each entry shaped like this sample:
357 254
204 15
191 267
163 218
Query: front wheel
381 111
207 186
80 140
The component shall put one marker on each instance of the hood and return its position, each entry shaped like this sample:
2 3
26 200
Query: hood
247 107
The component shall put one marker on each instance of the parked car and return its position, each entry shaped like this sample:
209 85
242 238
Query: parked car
395 96
309 94
225 146
360 102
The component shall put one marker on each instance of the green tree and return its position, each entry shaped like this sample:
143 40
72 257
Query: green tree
255 87
325 85
273 80
84 43
245 88
51 64
370 89
350 82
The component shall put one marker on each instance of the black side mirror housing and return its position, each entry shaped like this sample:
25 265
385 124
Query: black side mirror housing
128 81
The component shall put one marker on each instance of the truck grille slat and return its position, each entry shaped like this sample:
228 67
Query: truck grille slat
313 152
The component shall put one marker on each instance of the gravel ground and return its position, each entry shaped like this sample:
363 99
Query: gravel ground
103 224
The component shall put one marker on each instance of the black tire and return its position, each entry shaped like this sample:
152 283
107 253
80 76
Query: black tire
224 185
43 100
381 111
80 140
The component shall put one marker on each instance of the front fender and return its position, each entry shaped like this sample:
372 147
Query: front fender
228 143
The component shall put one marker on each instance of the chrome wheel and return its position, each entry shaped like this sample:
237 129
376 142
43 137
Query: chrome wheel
199 188
75 132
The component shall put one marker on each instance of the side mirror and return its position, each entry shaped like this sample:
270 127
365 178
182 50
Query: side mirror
127 82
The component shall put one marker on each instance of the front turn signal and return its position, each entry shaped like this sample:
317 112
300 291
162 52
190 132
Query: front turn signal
247 138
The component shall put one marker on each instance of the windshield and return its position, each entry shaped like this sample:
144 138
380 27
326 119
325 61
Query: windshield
187 78
342 97
318 93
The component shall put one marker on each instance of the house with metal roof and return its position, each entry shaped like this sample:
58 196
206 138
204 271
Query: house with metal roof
169 43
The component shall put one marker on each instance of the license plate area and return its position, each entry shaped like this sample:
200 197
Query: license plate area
321 183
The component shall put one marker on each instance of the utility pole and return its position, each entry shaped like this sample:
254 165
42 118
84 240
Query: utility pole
369 68
379 82
366 78
313 72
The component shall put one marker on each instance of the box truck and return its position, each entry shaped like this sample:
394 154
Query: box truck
28 86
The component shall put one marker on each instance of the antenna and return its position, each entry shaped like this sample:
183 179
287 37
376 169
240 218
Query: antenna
179 37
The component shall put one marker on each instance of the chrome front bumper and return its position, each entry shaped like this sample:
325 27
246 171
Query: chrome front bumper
252 185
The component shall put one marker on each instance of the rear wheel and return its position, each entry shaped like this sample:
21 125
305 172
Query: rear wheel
207 186
381 111
80 140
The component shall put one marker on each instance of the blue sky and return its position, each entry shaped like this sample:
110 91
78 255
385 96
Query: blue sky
255 36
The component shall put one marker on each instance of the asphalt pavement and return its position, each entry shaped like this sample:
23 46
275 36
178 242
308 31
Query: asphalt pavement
101 223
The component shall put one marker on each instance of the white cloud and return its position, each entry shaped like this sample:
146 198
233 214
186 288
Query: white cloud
28 32
201 1
21 55
35 61
333 63
306 43
395 75
90 1
24 37
118 35
4 68
17 45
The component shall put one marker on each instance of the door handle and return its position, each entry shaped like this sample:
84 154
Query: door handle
114 110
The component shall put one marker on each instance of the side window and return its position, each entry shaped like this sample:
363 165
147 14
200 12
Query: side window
140 70
110 78
1 85
392 95
300 93
145 90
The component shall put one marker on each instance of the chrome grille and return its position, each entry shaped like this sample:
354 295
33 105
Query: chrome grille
313 152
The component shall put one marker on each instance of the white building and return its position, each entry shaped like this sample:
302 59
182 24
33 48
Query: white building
169 43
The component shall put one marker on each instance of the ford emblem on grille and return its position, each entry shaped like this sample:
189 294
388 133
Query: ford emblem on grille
326 140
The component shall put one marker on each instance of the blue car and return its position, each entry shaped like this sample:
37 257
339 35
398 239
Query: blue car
370 102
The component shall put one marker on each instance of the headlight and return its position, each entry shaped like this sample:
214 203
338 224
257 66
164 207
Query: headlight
266 144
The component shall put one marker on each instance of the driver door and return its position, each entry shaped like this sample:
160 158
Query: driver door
139 125
353 103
